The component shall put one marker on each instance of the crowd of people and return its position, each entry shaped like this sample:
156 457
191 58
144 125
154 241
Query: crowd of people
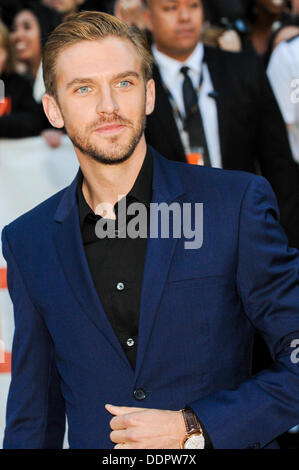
227 82
255 28
263 29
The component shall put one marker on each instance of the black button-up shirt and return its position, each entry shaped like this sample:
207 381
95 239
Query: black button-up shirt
117 264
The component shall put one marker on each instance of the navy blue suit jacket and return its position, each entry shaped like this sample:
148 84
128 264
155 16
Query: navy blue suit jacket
199 310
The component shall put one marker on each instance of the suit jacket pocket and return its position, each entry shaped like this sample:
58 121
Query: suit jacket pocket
198 282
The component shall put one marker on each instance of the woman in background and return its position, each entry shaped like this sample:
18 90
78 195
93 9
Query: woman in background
269 17
19 113
30 30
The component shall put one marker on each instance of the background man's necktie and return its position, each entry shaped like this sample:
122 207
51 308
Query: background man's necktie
193 123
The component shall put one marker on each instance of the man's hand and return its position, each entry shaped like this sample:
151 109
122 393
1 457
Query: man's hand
143 428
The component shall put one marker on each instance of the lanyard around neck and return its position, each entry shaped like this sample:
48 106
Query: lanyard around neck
171 97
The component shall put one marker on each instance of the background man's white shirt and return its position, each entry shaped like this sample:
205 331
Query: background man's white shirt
283 69
173 79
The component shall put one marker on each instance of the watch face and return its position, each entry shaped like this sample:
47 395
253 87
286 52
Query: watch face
196 441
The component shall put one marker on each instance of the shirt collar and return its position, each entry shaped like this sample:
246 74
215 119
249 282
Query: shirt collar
141 190
170 68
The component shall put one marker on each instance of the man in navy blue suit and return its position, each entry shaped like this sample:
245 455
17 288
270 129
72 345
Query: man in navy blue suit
138 325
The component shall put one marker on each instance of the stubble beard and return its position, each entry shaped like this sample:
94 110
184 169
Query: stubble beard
119 151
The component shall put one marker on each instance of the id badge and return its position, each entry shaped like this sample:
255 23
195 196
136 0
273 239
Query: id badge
5 107
195 158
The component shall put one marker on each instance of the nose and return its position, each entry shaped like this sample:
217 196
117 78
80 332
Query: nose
106 103
184 13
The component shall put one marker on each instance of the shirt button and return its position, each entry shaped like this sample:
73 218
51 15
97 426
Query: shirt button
139 394
120 286
130 342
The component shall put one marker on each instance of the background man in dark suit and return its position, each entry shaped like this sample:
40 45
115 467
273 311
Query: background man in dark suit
237 114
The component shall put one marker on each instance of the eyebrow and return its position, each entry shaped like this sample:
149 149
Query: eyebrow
80 80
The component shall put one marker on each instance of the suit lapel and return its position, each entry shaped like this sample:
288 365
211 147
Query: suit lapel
69 245
164 113
166 188
221 87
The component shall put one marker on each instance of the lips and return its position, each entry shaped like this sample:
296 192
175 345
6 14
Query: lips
110 129
20 46
185 32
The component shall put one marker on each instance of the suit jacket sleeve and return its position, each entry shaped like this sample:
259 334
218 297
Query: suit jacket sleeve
35 407
267 404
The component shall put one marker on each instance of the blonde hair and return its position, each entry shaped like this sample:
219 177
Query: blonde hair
90 26
5 42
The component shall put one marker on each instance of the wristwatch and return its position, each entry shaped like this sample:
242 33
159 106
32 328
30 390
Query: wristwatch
194 438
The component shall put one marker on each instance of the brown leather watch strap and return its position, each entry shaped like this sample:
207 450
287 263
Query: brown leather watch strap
191 421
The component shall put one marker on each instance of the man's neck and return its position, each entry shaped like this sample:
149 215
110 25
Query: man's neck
179 56
104 183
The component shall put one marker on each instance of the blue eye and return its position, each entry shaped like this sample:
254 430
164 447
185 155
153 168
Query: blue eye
83 90
124 84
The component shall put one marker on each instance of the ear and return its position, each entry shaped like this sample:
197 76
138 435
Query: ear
150 97
52 111
147 18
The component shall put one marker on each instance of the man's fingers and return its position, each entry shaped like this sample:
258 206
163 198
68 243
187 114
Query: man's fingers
117 423
123 446
118 437
123 436
121 410
126 421
124 416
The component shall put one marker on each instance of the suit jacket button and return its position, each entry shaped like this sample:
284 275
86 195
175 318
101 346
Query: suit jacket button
139 394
